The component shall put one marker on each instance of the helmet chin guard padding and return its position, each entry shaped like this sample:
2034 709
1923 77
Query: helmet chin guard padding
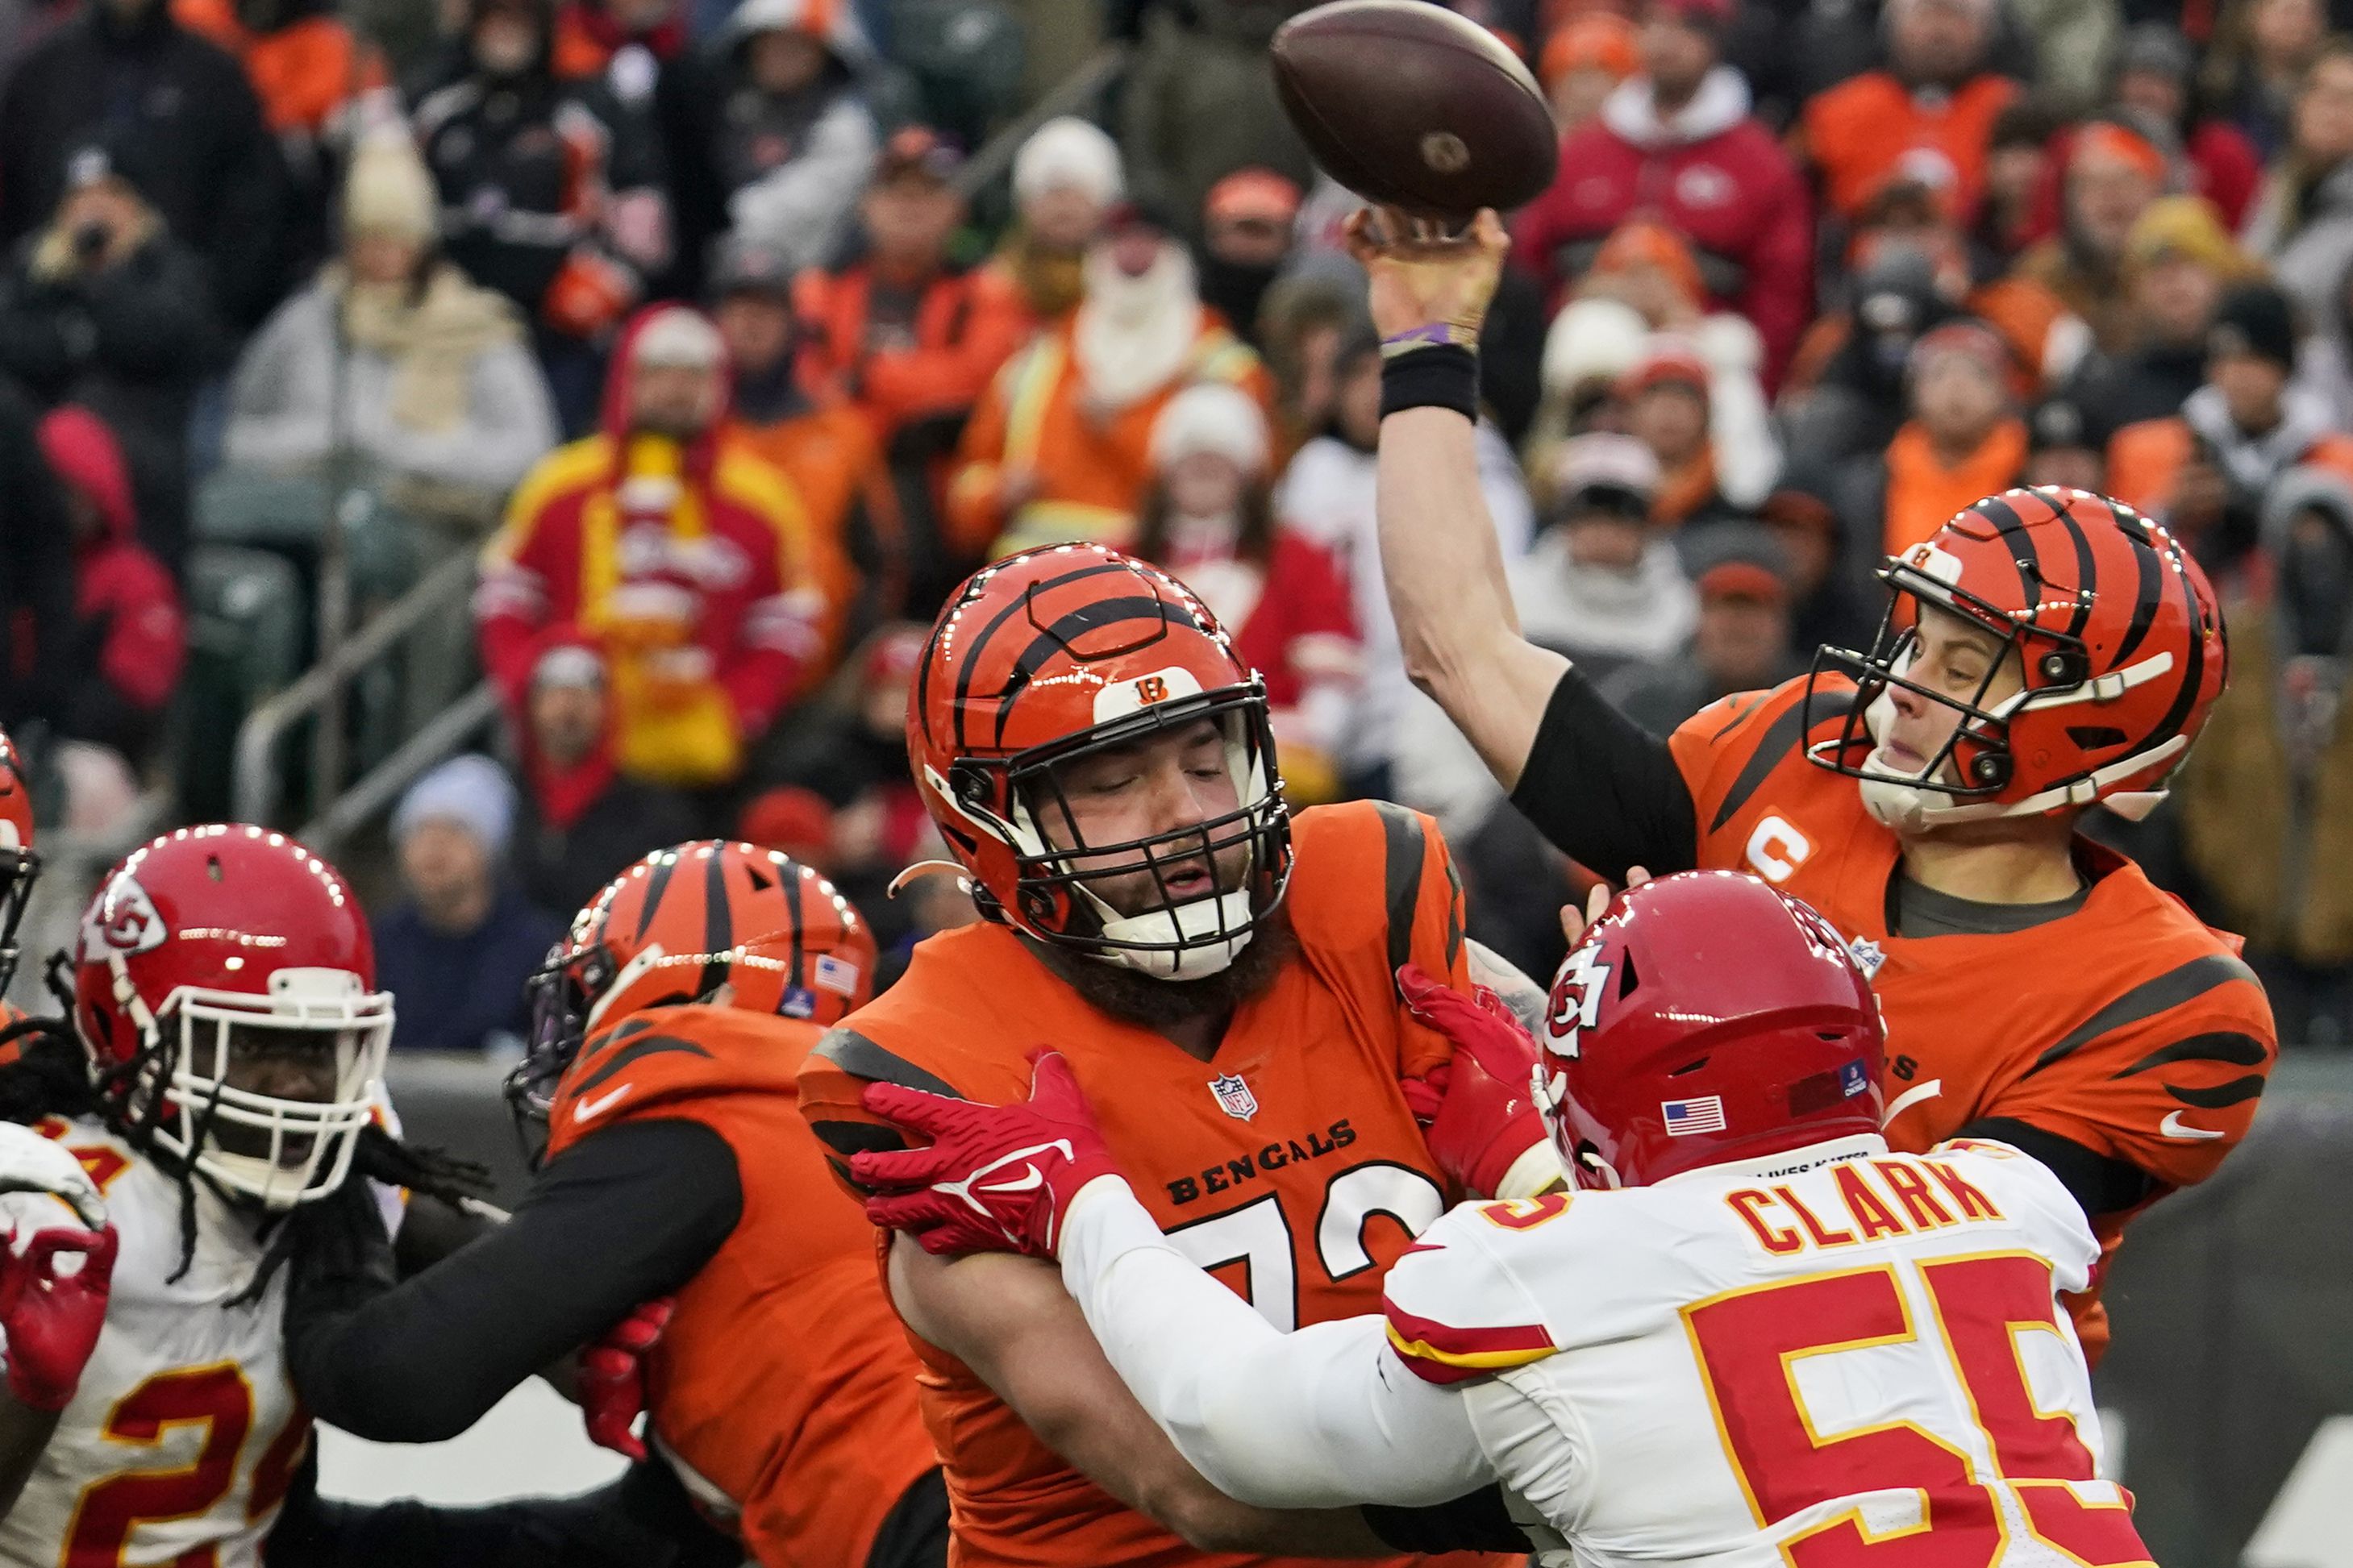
2118 638
1052 657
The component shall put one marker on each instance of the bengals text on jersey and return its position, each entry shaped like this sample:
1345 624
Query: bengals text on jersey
1289 1164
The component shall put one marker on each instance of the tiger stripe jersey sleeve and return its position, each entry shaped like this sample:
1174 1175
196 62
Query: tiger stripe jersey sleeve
2165 1075
1317 1418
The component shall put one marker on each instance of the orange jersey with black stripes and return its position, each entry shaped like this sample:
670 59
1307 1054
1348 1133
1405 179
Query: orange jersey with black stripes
2126 1026
782 1384
1288 1163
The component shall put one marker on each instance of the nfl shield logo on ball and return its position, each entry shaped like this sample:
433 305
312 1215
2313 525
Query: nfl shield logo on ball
1234 1097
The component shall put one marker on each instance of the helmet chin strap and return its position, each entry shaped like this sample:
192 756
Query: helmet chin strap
1913 808
1179 941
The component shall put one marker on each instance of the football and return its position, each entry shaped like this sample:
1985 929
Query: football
1412 106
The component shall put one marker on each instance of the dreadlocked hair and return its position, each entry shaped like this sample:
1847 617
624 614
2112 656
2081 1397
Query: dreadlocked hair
345 1222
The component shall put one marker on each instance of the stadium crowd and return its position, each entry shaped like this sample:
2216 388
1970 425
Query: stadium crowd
696 325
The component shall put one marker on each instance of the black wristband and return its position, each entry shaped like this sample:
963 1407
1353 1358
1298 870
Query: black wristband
1441 376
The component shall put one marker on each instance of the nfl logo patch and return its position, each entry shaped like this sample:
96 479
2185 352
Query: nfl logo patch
838 976
1685 1117
1868 956
1234 1096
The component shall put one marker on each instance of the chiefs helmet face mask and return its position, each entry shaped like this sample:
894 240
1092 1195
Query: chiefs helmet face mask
19 866
229 952
711 921
2114 629
1048 661
1704 1018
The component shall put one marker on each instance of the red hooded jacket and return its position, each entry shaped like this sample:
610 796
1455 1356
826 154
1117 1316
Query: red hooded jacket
688 561
124 599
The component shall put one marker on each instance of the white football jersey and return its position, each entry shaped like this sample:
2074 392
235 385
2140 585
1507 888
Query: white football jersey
1783 1361
182 1439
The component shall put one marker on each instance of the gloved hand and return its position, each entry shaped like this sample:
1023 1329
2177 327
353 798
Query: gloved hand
1476 1110
995 1178
52 1320
612 1379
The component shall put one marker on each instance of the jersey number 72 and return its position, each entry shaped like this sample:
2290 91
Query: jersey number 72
1749 1342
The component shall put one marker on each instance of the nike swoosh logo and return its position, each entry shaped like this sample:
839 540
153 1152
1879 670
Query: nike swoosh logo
582 1109
1030 1181
1913 1096
2174 1127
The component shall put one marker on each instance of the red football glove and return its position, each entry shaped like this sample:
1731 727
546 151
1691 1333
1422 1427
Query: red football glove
611 1383
995 1178
1476 1111
53 1320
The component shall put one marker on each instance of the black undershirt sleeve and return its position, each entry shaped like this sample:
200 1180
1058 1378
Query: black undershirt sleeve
1475 1522
2101 1184
621 1217
1605 791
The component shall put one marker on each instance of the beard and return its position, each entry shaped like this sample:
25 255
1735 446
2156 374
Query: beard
1136 998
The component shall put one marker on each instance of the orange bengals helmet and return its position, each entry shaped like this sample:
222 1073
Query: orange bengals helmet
2117 630
704 921
1059 654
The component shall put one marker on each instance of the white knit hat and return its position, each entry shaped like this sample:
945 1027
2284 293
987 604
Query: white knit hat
677 335
1069 151
470 791
1592 340
388 191
1212 416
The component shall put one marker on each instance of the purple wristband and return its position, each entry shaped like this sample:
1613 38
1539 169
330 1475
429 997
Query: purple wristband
1436 334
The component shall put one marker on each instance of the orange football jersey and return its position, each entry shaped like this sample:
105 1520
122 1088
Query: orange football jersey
2127 1027
783 1381
1288 1163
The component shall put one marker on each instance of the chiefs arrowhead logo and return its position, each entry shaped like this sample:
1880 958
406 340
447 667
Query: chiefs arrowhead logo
120 921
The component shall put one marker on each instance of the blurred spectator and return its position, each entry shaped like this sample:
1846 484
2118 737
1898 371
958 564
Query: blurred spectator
779 136
320 85
2113 172
1601 583
461 941
2021 181
1582 63
1209 517
1648 266
581 822
1831 600
627 42
1846 393
2154 73
130 638
393 355
902 333
1199 103
2071 43
2205 472
682 551
1074 466
105 308
1326 494
171 109
2063 447
1304 322
1588 348
1936 94
1066 178
2303 224
1246 226
549 195
1739 643
1678 144
1964 441
825 445
2260 52
2325 356
2266 797
2177 261
39 590
1669 409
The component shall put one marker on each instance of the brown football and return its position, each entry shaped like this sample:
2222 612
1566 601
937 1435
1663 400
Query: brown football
1409 104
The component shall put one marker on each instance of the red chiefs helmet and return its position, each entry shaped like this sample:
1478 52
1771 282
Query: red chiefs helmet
225 951
1706 1017
19 866
703 922
2118 636
1061 654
